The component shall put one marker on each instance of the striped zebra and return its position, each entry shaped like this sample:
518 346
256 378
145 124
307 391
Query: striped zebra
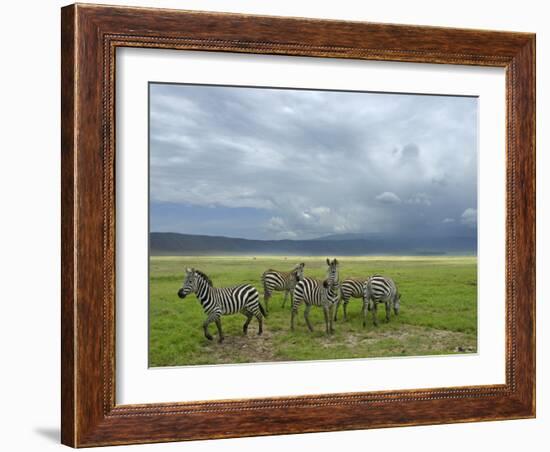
379 289
313 292
350 288
222 301
275 280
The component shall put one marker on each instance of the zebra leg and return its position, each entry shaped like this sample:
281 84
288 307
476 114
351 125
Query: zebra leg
346 301
284 299
220 333
330 318
306 317
249 316
365 308
294 311
336 310
326 314
388 310
374 309
260 323
267 296
207 335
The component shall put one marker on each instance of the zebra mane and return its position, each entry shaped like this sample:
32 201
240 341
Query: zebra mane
206 278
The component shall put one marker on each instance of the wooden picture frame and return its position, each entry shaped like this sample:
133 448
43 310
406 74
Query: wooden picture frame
90 36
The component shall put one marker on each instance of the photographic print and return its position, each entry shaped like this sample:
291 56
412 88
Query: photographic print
299 224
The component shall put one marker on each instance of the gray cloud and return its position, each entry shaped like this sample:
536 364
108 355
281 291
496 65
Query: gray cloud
316 162
409 154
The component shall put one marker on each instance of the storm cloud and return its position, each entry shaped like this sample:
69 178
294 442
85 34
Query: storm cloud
281 163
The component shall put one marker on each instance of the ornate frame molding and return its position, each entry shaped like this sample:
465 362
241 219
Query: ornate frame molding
90 37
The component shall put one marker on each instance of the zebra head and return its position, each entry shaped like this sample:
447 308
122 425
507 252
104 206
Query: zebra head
189 283
366 290
367 295
396 303
332 272
298 271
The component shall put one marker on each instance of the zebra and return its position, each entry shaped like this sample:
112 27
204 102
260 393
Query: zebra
319 293
350 288
274 280
222 301
379 289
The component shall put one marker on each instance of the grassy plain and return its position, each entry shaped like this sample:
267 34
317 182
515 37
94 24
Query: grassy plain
438 312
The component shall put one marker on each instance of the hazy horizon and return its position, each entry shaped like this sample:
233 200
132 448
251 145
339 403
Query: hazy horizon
335 237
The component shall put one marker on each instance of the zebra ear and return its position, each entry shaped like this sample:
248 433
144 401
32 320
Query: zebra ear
302 264
328 261
335 261
188 270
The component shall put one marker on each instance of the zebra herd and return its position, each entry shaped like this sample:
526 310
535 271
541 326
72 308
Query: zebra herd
327 294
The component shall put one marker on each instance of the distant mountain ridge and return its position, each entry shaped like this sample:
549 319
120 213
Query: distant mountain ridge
349 236
176 244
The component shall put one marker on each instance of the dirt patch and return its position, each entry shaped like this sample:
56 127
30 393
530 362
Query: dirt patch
235 349
371 342
407 340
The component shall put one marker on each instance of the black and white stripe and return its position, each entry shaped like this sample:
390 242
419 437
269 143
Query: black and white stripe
350 288
314 292
222 301
277 281
380 289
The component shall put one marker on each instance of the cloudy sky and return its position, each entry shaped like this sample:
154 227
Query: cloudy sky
298 164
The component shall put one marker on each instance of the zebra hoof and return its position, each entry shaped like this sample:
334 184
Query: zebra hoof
220 340
209 337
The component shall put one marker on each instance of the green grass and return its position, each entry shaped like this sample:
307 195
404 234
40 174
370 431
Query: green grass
438 312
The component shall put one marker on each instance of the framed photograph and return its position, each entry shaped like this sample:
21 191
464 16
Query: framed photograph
282 225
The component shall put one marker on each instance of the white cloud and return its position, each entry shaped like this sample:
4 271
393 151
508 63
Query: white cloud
448 220
388 198
469 217
420 198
